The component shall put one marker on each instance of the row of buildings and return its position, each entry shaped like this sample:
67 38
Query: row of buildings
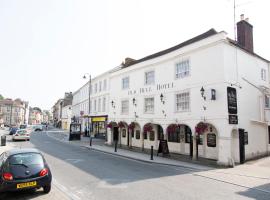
207 97
17 112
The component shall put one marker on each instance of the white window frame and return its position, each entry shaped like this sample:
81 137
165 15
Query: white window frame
186 109
145 78
267 101
95 105
100 86
144 106
96 87
104 104
125 111
99 104
263 74
125 85
178 74
104 84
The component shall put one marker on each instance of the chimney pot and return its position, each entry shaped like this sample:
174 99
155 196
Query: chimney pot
242 16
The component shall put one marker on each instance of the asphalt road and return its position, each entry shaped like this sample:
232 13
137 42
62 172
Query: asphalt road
85 174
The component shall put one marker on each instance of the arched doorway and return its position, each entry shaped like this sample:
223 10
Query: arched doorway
152 133
134 135
180 139
206 141
123 133
114 136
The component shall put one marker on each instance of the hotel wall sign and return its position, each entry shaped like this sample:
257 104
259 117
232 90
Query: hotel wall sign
233 119
232 100
158 87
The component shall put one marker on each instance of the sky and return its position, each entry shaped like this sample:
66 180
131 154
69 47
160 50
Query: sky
46 46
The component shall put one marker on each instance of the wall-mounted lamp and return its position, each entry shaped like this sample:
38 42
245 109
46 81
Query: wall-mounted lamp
134 101
113 104
162 98
202 93
136 116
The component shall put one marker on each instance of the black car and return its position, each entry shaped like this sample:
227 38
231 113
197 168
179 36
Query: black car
24 169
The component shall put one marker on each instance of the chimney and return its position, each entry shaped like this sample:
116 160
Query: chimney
245 34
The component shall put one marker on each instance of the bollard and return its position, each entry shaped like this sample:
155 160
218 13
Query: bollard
3 140
152 152
90 141
115 146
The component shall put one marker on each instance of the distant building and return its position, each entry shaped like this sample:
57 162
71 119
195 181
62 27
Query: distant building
57 110
13 112
35 116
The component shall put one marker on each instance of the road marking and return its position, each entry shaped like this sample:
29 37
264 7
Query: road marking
74 160
65 190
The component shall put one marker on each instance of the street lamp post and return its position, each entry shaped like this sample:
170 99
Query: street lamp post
89 103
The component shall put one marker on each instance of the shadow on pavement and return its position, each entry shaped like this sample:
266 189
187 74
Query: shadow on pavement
115 170
21 195
253 192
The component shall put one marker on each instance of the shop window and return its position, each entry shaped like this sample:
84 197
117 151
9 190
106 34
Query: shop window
124 133
137 134
174 136
145 135
200 142
187 134
211 140
152 135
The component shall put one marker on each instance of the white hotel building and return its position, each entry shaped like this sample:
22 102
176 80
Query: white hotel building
208 97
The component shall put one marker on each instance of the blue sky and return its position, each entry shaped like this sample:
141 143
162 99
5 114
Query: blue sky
46 46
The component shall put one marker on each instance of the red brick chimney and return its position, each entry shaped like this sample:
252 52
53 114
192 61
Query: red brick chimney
245 34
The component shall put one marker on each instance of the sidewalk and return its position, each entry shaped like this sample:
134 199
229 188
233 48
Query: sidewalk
253 175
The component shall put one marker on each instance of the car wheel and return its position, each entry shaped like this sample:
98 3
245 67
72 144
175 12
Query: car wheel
47 188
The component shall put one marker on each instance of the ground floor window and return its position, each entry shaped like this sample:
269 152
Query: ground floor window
145 135
124 133
211 140
174 136
137 134
152 135
187 134
200 141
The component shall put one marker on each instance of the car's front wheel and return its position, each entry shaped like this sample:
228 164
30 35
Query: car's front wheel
47 188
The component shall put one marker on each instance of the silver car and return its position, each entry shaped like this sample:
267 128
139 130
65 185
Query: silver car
21 134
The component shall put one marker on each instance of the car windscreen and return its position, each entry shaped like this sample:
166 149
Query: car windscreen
22 132
26 159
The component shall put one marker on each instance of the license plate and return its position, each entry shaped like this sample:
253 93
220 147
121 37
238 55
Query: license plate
25 185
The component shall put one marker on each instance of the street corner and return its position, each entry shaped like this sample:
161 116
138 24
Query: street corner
55 194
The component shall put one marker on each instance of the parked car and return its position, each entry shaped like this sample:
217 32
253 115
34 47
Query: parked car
13 130
21 134
22 169
23 126
38 127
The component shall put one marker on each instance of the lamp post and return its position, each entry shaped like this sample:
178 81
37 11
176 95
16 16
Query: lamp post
89 103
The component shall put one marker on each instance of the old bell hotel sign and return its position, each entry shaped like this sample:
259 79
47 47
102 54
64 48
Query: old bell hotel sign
232 105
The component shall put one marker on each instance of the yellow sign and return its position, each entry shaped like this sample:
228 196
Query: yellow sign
98 119
24 185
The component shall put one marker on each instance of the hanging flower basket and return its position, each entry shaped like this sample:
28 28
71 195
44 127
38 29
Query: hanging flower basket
147 128
172 128
131 126
201 128
121 124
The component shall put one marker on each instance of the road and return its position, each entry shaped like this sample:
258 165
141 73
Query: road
81 173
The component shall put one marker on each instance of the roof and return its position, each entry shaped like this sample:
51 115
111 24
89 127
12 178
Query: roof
24 150
202 36
249 52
